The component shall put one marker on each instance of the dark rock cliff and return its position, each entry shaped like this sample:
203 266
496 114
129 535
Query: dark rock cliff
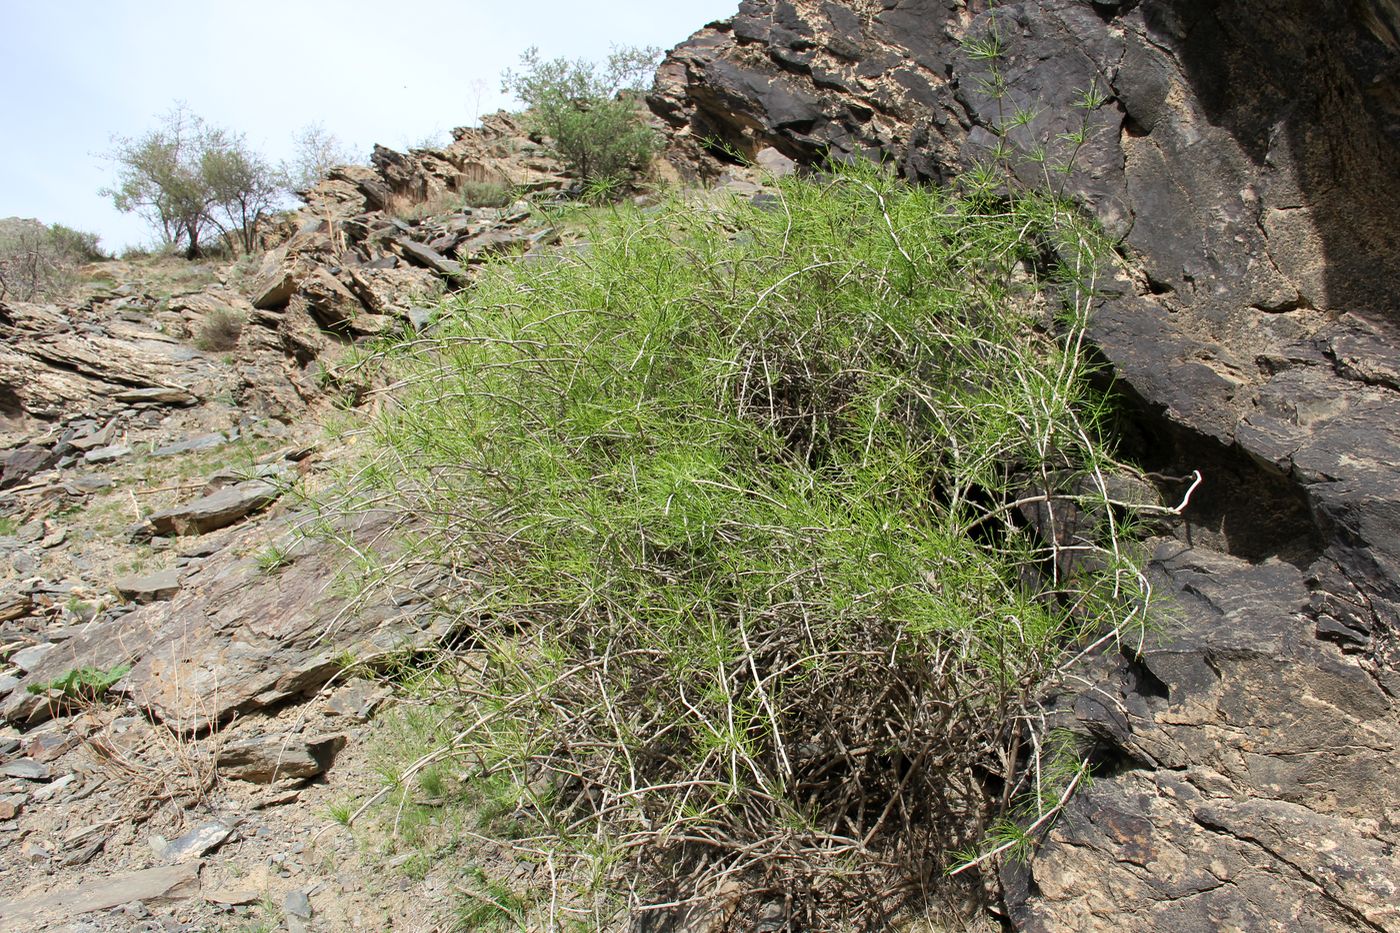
1247 156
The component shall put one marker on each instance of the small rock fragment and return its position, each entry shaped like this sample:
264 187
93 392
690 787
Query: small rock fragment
25 563
48 746
273 757
14 605
49 791
157 395
358 699
774 162
84 853
233 897
202 839
100 438
23 463
33 851
93 482
297 904
11 805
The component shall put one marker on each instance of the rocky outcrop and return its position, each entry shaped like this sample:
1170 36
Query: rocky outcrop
1245 156
92 358
374 242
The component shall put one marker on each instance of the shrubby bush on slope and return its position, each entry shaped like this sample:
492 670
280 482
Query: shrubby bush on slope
589 112
39 262
780 523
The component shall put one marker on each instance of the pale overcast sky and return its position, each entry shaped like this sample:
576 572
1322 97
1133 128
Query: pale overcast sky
78 72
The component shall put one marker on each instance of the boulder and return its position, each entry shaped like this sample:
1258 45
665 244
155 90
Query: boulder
275 283
332 305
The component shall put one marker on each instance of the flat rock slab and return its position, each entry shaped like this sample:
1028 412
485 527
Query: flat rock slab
26 659
236 639
26 769
1226 804
39 911
428 257
157 395
216 510
150 588
190 445
107 454
62 368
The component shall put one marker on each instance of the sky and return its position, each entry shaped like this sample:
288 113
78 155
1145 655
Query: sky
79 73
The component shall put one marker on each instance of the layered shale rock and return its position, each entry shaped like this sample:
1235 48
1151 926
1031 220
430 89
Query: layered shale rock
1245 155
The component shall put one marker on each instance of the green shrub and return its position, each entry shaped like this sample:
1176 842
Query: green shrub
589 112
785 521
486 194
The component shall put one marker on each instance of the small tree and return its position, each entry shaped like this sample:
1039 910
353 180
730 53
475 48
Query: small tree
190 180
588 111
317 152
243 186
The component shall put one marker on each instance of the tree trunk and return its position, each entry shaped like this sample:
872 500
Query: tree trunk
193 251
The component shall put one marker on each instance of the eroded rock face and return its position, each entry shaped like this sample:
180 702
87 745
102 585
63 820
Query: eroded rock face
1246 155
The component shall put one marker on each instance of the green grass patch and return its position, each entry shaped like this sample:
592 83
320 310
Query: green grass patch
786 519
